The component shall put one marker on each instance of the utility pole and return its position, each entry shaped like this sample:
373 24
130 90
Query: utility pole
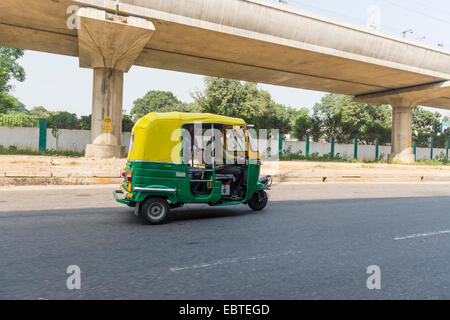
117 7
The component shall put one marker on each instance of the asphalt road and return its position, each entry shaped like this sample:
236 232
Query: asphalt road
313 241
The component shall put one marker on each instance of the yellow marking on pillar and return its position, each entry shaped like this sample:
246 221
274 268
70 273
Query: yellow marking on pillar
409 144
107 126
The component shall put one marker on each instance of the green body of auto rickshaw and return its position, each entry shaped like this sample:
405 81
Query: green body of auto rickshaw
176 158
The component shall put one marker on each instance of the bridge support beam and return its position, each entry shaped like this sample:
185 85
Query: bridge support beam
401 150
109 44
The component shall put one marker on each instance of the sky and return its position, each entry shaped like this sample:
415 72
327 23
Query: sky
57 83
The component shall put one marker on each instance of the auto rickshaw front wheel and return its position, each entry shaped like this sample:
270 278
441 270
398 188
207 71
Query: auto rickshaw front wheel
155 210
259 200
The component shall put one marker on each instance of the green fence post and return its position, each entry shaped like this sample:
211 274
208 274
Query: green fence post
42 135
307 146
332 147
431 149
280 145
446 152
356 149
415 151
377 149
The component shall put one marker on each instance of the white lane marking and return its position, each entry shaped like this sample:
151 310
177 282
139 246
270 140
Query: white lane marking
421 235
235 260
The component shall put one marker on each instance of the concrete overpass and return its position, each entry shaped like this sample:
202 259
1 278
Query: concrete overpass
252 40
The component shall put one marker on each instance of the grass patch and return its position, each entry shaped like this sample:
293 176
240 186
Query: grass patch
287 155
434 162
13 150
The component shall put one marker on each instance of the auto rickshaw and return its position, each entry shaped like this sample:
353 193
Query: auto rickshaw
164 172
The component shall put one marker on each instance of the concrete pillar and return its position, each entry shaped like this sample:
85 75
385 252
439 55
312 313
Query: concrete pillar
401 150
106 125
109 44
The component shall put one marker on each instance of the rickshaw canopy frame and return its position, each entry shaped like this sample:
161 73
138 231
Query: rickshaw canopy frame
156 137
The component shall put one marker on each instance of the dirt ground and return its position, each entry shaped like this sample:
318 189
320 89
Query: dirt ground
67 167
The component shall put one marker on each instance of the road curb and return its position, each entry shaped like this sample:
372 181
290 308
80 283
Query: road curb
32 181
279 178
358 178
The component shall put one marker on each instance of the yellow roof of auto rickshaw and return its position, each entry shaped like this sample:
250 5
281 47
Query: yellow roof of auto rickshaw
157 135
187 117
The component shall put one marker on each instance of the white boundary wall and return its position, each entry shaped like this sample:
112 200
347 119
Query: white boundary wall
68 140
365 152
76 140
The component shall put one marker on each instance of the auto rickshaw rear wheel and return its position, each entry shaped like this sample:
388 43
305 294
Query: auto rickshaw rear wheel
155 210
259 200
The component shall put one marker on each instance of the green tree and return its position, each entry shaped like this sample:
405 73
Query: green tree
222 96
326 120
425 125
10 104
63 120
9 70
316 129
158 101
303 125
40 112
244 100
284 118
85 122
127 123
291 114
345 120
